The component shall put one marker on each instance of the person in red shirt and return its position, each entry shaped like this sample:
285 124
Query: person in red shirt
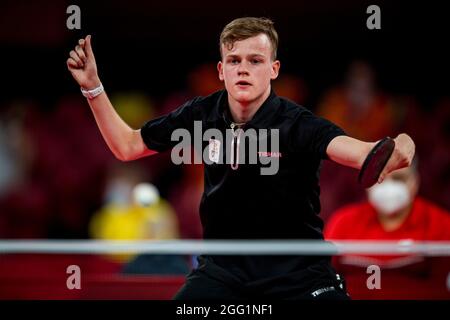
393 211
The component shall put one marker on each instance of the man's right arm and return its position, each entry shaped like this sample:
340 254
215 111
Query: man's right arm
125 143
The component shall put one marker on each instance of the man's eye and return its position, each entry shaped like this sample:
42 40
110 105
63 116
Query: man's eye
256 61
234 61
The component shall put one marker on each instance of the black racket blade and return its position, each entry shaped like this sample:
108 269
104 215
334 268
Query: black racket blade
375 162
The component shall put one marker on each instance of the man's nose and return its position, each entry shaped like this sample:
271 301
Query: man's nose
242 69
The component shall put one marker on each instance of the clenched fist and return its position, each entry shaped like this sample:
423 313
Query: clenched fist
81 64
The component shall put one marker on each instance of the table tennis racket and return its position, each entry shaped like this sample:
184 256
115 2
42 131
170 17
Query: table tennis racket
375 162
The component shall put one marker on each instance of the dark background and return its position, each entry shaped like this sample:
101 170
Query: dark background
151 45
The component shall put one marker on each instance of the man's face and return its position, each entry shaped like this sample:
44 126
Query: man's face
248 68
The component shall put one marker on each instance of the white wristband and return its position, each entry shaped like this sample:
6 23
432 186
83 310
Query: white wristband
91 94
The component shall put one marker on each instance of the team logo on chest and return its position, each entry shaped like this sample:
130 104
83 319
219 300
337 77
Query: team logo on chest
214 150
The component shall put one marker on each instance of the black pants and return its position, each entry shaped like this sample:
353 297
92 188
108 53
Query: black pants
211 282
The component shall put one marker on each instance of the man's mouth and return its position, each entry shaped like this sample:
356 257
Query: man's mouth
243 84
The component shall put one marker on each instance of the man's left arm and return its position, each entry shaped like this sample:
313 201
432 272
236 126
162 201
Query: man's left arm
352 152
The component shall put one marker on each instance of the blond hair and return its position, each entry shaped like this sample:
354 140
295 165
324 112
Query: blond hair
247 27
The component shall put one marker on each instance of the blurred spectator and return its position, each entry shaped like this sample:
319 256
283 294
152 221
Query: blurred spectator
291 87
123 217
393 212
363 112
61 161
435 161
131 214
358 106
15 147
70 164
24 205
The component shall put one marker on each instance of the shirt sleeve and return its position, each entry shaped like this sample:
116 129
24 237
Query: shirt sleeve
157 133
312 134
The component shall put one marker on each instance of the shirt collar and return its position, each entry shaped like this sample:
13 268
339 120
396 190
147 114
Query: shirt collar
262 118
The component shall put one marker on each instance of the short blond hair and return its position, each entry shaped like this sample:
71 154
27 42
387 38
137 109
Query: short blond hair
247 27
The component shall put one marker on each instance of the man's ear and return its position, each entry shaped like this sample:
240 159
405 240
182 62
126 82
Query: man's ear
275 69
220 69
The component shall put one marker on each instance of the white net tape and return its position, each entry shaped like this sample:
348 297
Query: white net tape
229 247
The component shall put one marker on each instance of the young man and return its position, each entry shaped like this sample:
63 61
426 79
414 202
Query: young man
238 201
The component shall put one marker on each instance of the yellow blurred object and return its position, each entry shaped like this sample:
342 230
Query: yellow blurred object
133 222
133 107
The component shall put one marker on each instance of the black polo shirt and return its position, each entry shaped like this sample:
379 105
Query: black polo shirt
241 203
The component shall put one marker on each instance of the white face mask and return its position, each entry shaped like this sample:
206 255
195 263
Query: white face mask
389 196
